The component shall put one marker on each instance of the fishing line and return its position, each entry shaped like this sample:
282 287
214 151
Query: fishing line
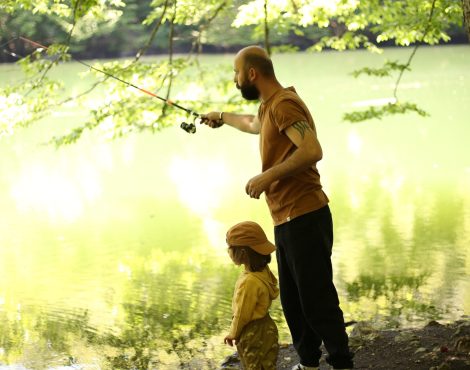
188 127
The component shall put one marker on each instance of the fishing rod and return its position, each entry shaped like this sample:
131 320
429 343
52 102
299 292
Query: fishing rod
188 127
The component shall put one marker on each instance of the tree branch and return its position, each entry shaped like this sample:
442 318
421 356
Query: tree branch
415 49
203 27
138 55
267 45
67 43
144 49
170 57
466 15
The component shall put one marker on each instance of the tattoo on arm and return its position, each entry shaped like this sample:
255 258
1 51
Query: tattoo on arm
302 127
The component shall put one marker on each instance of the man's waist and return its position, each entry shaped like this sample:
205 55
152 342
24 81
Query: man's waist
282 212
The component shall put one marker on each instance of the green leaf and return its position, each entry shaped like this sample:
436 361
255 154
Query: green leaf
385 110
384 71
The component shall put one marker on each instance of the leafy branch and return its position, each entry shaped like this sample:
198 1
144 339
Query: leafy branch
385 71
385 110
396 107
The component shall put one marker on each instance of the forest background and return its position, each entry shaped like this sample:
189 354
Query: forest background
127 30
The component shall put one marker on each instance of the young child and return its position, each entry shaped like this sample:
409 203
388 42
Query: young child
252 329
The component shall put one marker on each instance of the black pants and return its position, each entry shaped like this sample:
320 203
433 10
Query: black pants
308 295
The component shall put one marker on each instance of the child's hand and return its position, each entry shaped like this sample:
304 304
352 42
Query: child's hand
230 341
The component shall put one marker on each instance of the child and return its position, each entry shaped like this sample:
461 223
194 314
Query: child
252 329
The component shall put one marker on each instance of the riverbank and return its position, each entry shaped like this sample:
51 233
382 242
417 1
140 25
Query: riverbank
432 347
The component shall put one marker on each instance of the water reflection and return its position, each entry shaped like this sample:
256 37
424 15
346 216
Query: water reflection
170 304
165 318
408 253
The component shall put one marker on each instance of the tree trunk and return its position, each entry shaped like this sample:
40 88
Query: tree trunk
267 45
466 15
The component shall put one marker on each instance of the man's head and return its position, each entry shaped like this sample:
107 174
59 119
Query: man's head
252 65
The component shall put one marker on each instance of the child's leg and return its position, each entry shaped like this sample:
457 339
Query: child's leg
258 345
270 345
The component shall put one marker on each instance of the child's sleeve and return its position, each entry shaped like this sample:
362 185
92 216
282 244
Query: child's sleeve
244 304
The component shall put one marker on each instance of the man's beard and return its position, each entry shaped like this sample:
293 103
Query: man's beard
249 91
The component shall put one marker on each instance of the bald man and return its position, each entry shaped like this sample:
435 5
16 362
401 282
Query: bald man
303 227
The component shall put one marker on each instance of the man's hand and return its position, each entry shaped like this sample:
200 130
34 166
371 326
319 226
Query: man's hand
257 185
212 119
230 341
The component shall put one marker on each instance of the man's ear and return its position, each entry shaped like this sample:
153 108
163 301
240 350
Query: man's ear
252 74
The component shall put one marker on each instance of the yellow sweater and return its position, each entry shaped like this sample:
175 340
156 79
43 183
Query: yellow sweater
254 292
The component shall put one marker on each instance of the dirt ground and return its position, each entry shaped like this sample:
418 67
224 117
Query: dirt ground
432 347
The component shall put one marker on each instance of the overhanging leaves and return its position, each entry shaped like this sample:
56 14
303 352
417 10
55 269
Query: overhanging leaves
385 110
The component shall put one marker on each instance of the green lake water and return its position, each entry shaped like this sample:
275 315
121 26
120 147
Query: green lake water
113 256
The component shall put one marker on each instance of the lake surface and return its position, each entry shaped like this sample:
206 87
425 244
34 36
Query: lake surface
113 255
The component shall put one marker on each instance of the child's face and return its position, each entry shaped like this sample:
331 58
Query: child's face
232 256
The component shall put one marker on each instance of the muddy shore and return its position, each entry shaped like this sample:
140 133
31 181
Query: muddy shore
434 346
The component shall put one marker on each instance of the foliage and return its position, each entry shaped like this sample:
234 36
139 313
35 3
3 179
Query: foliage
71 27
380 112
384 71
351 23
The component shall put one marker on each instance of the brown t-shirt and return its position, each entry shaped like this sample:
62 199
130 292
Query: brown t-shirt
298 194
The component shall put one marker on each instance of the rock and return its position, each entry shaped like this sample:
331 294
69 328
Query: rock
444 349
230 361
432 356
433 323
407 337
420 350
458 332
362 329
462 344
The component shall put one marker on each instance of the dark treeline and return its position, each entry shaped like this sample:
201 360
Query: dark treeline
125 35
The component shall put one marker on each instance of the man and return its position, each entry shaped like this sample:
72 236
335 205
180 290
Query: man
303 225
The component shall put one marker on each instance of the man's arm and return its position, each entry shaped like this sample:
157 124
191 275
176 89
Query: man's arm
308 152
243 122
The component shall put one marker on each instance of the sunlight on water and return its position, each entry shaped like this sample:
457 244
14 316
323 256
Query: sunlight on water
373 102
43 189
200 183
354 142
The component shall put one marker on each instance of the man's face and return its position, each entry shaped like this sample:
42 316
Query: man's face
248 89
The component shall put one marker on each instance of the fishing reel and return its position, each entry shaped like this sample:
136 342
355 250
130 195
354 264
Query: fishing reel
190 128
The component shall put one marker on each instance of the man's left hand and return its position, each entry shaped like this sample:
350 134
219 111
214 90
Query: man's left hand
257 185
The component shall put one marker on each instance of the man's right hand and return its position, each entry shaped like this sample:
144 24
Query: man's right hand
212 119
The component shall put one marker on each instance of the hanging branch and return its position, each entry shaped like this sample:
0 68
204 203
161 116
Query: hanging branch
267 45
170 57
415 49
394 107
61 54
157 26
74 22
138 55
203 27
